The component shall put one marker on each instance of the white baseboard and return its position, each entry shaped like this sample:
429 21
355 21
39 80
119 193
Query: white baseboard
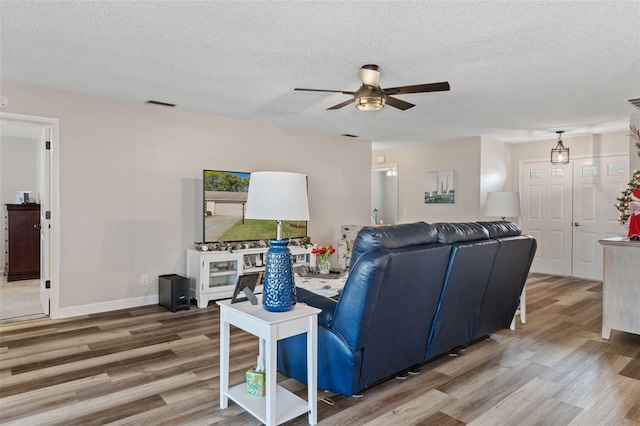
114 305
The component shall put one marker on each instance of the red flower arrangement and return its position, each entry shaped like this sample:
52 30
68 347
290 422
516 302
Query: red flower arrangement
323 252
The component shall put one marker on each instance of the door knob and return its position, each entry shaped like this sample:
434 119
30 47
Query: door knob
37 226
576 224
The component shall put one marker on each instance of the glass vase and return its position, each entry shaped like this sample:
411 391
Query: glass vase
324 266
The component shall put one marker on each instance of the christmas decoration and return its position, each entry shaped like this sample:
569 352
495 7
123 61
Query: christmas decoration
635 137
239 245
629 206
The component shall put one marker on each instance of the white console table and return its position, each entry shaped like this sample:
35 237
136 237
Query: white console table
278 405
213 274
620 286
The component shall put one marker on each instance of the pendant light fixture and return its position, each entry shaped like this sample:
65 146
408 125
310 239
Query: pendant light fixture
560 154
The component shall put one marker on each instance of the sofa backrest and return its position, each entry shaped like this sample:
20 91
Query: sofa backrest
391 292
501 228
392 236
508 276
468 271
451 233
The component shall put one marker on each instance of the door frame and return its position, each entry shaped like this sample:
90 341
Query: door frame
53 179
381 168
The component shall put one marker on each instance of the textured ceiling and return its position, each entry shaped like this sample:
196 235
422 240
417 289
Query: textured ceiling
519 70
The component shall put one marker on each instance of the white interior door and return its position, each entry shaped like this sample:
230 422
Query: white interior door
547 214
45 228
597 182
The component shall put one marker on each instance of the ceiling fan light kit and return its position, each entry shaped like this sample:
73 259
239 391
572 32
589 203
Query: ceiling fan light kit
369 103
560 154
371 97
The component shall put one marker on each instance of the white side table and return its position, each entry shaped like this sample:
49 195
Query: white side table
278 405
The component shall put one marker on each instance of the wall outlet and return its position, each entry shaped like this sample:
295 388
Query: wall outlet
144 279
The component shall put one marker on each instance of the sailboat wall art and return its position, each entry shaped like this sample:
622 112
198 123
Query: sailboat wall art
439 188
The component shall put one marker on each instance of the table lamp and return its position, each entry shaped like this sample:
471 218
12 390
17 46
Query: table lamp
278 196
502 204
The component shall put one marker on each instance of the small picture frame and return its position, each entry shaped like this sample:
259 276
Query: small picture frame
248 281
247 262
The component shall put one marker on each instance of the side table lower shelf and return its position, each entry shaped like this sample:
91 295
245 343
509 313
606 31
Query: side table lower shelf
288 406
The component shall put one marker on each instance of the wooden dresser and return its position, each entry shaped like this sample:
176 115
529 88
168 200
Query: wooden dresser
22 242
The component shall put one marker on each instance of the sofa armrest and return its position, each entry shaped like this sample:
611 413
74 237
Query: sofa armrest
328 306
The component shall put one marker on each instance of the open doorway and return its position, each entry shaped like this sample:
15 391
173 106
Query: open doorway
25 167
384 194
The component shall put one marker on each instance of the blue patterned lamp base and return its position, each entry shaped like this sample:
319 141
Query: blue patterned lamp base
279 292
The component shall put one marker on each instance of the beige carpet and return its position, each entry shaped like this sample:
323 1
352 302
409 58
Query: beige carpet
19 300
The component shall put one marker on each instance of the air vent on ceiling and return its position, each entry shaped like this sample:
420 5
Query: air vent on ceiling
160 103
635 102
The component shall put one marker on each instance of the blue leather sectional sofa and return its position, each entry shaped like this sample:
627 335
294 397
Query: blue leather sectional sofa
414 292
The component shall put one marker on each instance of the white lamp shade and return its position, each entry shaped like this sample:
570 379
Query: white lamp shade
502 204
277 196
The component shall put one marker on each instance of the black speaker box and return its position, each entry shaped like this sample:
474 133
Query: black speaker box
173 292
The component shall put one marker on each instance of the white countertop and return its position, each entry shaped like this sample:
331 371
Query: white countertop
619 241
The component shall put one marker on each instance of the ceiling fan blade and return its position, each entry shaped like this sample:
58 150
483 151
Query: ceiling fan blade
340 105
324 90
397 103
418 88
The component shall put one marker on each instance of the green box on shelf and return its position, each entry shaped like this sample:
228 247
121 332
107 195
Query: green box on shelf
255 382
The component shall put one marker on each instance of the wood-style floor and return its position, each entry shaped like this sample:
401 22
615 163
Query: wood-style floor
148 366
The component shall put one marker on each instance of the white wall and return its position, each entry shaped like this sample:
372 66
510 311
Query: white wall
130 185
495 170
18 160
481 165
414 161
18 172
579 146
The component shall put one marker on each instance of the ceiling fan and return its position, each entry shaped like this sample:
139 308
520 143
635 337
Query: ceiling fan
371 97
